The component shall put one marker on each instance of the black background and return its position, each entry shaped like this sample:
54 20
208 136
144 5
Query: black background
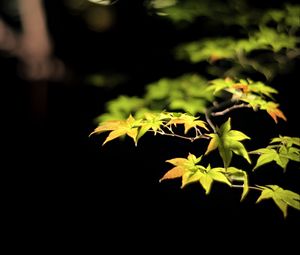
64 186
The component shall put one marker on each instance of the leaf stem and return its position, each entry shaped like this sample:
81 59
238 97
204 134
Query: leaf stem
242 186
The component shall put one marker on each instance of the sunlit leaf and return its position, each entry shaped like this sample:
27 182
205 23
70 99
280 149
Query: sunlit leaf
119 128
191 177
228 141
282 198
206 182
280 153
281 204
191 171
151 121
218 174
291 198
175 172
212 174
188 122
266 156
220 84
289 141
237 135
262 89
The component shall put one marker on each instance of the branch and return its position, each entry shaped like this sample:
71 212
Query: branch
236 106
209 112
208 120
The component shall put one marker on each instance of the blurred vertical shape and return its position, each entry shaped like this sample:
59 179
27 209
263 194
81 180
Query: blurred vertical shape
33 48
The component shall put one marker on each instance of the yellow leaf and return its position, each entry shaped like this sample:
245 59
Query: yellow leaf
213 143
189 177
201 123
133 134
188 122
245 186
177 161
114 134
107 126
206 182
175 172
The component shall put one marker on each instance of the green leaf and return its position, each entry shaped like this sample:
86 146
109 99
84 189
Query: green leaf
218 85
262 89
282 198
237 135
186 168
281 204
291 198
287 140
265 194
228 142
218 174
192 105
225 128
267 155
225 152
239 149
280 153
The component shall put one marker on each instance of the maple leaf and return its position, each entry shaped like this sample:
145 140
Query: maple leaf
280 153
205 176
289 141
190 171
119 128
228 141
266 155
188 121
217 85
273 111
152 121
181 165
282 198
262 89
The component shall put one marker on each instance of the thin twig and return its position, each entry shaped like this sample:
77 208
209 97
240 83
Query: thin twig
236 106
208 120
184 137
215 107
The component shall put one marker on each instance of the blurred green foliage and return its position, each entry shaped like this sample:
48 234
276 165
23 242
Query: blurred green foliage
253 41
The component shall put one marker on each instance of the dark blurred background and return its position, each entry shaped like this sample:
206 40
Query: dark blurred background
62 180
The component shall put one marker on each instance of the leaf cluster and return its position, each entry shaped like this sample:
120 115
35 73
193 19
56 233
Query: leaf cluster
192 101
